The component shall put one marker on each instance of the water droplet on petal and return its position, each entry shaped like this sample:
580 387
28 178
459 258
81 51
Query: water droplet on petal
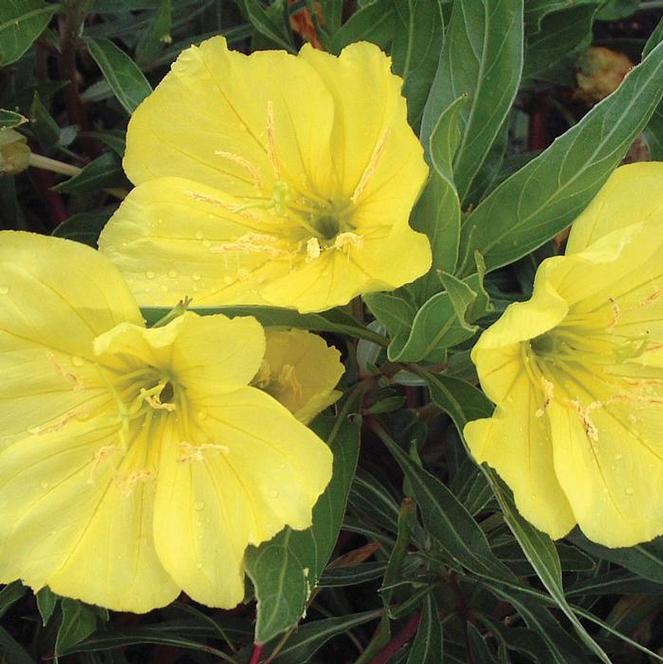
199 565
201 415
274 493
172 274
150 275
164 289
77 361
43 485
4 290
207 243
629 491
199 236
195 276
199 505
618 457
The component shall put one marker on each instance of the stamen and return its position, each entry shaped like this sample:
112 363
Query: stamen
196 452
372 166
271 139
312 249
244 163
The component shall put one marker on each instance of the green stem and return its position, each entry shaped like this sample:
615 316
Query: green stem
53 165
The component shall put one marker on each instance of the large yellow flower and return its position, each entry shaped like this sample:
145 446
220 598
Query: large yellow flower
577 374
135 463
301 371
270 179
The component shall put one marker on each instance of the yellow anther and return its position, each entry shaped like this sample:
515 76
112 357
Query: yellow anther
196 452
312 249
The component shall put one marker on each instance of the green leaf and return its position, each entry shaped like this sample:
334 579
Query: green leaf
562 648
286 569
545 196
542 555
334 320
418 39
12 652
537 10
78 622
614 10
152 41
447 520
10 594
161 634
44 127
11 119
428 647
371 498
47 600
21 22
460 400
374 22
351 575
552 51
83 227
267 26
437 212
126 80
406 519
615 582
482 57
102 173
646 559
394 312
654 40
312 636
435 328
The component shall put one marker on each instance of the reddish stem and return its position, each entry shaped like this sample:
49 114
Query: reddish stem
256 653
538 128
399 640
54 202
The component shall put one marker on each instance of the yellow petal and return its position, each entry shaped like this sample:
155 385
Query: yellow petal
630 195
234 122
516 443
50 312
372 143
48 297
77 516
249 470
300 371
219 256
206 354
609 461
525 320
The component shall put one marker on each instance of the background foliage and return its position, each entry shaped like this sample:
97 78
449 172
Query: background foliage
416 555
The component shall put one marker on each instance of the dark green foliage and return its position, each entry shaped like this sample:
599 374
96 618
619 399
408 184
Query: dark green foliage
415 555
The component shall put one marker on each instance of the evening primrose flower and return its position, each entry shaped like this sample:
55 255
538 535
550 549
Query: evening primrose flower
135 463
301 371
577 374
270 179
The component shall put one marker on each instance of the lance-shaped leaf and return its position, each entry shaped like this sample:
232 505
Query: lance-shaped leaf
482 57
418 40
21 22
546 195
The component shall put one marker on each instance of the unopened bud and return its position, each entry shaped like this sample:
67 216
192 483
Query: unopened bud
600 73
14 152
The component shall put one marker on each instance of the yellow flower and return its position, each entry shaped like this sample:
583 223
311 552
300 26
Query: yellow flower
577 374
270 179
300 371
135 463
